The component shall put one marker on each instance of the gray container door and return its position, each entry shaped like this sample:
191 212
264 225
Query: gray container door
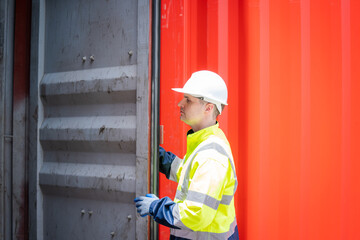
6 89
89 118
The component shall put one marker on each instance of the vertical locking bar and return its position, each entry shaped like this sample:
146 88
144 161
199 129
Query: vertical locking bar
155 88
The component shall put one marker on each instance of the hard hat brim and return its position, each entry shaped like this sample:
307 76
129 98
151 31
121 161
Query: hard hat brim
181 90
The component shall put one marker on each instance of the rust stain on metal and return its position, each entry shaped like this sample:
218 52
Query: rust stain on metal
101 130
21 224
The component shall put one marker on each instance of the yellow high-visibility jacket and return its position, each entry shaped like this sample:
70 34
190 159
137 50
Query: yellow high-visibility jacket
203 207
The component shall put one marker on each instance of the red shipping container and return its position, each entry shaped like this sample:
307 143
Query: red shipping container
293 73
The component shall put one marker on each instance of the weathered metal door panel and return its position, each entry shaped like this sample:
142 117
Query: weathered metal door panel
6 137
89 134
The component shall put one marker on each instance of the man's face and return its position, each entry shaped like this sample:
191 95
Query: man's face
191 110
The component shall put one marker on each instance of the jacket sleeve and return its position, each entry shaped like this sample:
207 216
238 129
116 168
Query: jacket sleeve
165 160
161 210
169 164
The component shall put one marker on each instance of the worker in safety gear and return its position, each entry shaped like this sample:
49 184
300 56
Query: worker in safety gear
203 207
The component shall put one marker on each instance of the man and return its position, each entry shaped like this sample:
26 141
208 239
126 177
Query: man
203 207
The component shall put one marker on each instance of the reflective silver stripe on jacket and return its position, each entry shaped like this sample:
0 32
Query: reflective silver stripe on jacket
183 193
174 168
206 199
186 233
226 199
203 198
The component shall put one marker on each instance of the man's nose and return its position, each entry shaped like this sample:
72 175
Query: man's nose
180 104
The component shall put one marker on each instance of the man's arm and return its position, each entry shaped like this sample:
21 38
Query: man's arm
169 164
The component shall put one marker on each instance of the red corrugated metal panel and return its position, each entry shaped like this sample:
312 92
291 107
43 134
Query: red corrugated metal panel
293 70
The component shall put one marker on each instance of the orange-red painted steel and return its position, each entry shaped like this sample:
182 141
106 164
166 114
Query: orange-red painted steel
293 120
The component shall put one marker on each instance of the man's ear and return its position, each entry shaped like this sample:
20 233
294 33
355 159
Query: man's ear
209 107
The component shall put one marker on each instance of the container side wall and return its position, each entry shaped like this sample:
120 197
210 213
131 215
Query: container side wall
292 70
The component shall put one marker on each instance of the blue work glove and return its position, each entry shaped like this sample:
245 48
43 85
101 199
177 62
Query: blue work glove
143 203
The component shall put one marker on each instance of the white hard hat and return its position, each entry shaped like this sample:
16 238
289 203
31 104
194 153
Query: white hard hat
208 85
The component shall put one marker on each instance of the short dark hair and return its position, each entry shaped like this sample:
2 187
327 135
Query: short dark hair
216 111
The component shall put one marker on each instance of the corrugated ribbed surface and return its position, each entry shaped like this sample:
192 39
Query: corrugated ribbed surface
88 137
89 119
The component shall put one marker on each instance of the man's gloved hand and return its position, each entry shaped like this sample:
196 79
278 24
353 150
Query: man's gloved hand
143 203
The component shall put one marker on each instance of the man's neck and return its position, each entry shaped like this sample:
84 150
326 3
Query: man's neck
203 125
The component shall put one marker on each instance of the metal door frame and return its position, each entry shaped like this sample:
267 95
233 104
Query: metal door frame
6 90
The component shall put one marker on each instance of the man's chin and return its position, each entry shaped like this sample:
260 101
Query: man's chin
182 118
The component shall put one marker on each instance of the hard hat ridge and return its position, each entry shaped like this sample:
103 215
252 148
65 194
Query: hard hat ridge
208 85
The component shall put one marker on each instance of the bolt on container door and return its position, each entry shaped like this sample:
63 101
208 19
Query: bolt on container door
89 125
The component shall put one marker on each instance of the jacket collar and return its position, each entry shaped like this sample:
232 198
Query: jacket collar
195 138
